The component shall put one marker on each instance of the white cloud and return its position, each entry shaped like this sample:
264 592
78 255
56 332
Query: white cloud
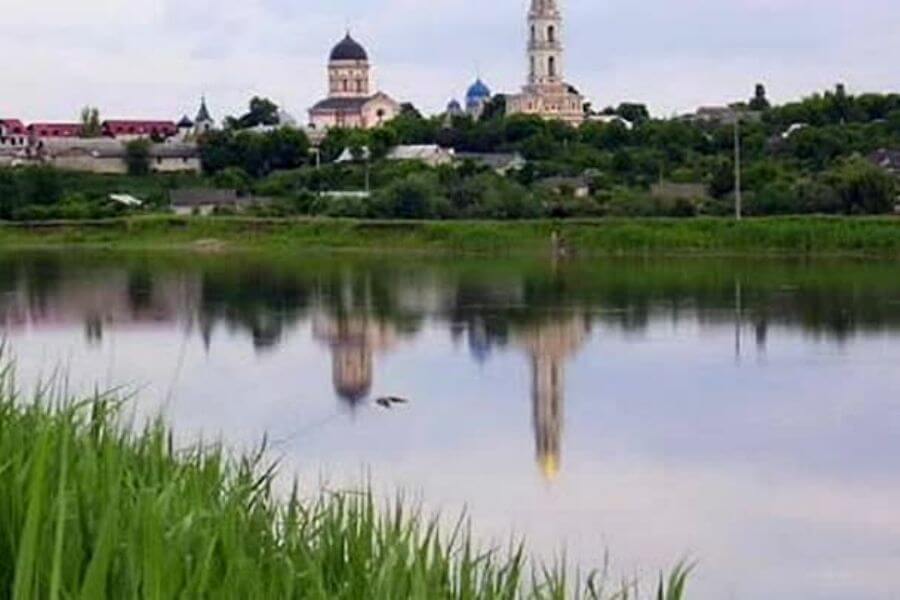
155 57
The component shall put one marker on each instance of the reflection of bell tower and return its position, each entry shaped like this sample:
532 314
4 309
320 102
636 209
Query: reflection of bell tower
547 403
550 346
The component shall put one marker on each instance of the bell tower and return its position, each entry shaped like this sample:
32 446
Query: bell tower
545 50
546 92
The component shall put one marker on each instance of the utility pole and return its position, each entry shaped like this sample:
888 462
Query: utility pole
738 193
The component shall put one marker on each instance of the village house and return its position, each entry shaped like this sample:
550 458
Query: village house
54 130
104 155
13 134
205 202
889 160
501 163
576 187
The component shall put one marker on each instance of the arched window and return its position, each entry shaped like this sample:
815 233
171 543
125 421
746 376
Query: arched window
345 85
532 66
551 66
551 34
533 34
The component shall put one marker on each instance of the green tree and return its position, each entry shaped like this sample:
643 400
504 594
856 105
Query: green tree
759 102
261 111
137 157
40 186
90 122
415 197
9 194
862 187
633 112
495 108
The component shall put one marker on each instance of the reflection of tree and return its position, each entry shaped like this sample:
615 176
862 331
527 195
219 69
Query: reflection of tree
479 309
262 301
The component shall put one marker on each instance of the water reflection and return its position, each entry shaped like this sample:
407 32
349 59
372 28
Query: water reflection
744 412
550 345
361 309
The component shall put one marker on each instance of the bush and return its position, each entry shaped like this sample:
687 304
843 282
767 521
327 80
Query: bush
416 196
862 187
137 157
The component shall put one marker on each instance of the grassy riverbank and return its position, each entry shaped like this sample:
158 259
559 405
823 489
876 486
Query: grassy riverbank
88 510
783 236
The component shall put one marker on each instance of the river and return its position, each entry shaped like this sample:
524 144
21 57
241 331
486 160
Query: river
743 414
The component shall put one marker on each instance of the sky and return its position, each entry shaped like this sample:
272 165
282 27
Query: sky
155 58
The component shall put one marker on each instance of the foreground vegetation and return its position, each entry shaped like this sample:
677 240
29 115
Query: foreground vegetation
89 510
793 236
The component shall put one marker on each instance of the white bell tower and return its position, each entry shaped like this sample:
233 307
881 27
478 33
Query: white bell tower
545 50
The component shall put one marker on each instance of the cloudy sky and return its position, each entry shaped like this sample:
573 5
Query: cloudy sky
154 58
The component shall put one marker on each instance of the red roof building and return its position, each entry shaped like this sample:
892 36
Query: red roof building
126 128
13 133
12 127
55 130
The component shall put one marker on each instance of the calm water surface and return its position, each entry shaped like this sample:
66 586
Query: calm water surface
745 414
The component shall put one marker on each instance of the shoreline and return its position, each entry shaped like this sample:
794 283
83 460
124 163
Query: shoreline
781 237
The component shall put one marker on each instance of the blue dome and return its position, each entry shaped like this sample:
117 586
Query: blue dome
478 92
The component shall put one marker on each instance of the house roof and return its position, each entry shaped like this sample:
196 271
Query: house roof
418 152
14 125
55 129
886 159
193 197
138 126
493 160
342 104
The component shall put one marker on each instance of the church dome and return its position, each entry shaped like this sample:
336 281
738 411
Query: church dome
454 107
478 92
349 49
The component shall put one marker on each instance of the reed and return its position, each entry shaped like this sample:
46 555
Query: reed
91 509
783 236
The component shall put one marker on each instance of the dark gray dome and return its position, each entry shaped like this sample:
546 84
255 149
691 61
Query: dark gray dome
349 49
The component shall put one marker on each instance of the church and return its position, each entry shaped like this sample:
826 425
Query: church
546 94
352 101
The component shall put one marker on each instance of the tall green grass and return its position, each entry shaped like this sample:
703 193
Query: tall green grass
795 236
90 510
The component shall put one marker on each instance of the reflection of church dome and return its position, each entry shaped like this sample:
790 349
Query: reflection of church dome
352 372
349 49
478 93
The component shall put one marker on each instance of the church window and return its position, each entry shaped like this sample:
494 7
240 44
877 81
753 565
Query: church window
533 34
551 66
345 85
532 66
551 34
